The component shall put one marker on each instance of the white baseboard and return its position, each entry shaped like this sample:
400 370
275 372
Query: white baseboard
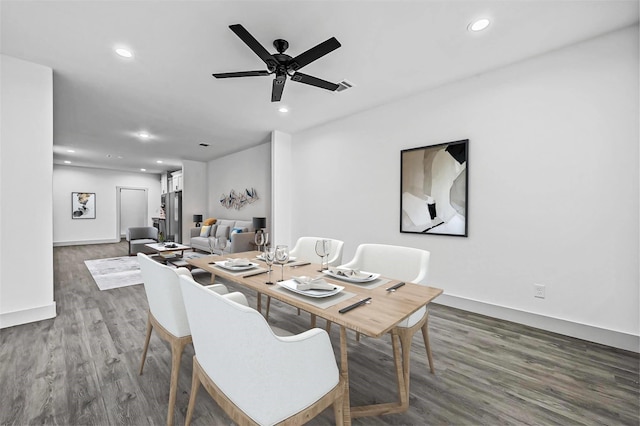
81 243
10 319
590 333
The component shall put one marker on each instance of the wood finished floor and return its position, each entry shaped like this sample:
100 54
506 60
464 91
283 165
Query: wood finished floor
81 368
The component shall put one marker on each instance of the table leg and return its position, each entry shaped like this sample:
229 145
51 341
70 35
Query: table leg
344 372
259 303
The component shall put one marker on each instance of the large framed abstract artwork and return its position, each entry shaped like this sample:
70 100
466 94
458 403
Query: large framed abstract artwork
83 205
434 189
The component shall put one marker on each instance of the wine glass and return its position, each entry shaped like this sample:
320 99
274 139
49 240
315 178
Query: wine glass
282 257
221 244
269 257
259 239
327 250
320 251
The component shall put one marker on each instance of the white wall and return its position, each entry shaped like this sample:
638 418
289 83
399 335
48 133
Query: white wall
104 228
250 168
553 187
194 194
26 152
281 184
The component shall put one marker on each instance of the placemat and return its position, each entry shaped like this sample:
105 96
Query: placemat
320 302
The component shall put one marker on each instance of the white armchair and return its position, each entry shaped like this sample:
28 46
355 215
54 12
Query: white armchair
167 315
406 264
254 375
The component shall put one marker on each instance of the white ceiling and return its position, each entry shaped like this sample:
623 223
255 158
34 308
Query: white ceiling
390 50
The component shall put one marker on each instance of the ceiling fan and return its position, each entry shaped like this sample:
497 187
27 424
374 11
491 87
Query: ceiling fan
282 64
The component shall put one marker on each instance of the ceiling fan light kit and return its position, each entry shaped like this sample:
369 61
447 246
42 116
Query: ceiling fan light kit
283 65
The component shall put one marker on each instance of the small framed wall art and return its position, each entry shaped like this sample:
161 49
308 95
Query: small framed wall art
83 205
434 189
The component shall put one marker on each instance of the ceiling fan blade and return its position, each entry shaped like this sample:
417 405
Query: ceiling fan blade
314 53
278 87
313 81
240 74
254 45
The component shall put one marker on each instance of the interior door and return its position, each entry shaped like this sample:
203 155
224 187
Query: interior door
133 208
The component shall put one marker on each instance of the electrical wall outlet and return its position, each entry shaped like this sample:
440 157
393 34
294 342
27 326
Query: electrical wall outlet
539 291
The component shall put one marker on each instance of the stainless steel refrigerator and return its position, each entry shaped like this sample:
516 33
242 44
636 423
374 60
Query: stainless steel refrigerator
173 212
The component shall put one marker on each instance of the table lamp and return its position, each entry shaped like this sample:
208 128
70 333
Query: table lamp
197 218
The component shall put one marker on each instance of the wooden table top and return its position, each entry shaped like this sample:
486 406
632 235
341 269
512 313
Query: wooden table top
385 311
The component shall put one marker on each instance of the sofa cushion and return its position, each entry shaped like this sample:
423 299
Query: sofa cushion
222 231
226 222
204 231
209 221
248 224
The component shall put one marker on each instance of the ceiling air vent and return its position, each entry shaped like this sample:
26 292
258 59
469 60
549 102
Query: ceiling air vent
344 85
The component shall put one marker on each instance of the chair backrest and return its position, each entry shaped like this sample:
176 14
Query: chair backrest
305 249
269 378
164 296
141 232
402 263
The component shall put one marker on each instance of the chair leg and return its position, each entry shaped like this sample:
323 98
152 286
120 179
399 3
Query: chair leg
177 347
425 337
146 343
268 307
338 411
195 386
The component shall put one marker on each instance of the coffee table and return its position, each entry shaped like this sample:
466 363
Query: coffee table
168 252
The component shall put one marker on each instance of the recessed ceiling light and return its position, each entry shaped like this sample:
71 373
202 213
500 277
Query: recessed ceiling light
159 161
283 109
143 170
67 162
144 135
479 24
70 150
125 53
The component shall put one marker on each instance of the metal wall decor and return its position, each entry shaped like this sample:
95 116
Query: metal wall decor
237 200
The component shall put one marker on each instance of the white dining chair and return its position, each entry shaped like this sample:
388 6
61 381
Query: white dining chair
404 264
255 376
167 315
305 250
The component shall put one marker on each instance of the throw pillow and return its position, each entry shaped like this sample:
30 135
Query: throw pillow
209 221
238 230
204 232
222 231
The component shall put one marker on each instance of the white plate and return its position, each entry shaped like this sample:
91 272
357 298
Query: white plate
291 285
261 257
370 276
223 264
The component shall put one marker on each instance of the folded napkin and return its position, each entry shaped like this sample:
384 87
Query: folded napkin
316 283
238 262
349 273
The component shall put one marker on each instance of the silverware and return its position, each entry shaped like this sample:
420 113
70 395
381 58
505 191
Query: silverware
395 287
355 305
251 274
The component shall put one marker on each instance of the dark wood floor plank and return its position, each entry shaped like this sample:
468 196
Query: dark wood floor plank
82 366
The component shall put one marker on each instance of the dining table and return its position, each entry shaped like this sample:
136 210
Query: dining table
378 312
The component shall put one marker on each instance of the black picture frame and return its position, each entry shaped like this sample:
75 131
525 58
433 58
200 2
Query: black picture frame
434 189
83 205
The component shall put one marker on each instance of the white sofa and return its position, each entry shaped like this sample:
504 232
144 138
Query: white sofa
239 233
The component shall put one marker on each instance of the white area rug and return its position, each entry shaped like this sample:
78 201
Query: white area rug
122 271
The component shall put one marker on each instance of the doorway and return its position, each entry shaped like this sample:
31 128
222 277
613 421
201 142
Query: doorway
132 208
